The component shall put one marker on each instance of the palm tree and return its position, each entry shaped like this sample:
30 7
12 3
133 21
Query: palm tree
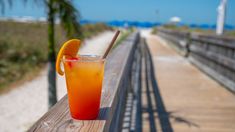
68 16
69 20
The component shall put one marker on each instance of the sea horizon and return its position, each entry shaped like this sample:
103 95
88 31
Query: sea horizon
119 23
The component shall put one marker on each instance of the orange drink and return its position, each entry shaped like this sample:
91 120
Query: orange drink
84 76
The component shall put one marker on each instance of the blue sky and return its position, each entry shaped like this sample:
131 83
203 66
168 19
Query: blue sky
190 11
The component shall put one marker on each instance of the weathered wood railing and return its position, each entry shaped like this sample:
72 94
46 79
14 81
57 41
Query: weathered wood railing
180 39
115 85
212 54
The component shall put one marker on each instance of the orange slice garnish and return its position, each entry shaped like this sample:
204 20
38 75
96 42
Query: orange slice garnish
69 48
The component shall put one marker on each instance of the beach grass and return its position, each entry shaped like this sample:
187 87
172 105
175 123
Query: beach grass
23 49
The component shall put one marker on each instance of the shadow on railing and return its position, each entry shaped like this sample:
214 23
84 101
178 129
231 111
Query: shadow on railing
144 97
161 110
163 116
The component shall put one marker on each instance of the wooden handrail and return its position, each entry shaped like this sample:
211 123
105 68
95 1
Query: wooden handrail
212 54
222 41
115 84
214 40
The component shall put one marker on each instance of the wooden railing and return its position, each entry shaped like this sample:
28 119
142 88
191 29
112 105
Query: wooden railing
115 85
214 55
180 39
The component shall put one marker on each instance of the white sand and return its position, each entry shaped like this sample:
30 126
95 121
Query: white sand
24 105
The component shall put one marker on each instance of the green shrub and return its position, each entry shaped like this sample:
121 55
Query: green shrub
154 30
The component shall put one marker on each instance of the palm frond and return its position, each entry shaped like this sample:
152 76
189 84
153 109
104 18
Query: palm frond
69 18
3 4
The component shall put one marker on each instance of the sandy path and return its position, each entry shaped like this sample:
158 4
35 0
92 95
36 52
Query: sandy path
21 107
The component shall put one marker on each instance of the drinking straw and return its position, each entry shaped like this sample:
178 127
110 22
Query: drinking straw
111 44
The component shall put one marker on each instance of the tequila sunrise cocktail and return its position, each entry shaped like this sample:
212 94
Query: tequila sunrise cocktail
84 76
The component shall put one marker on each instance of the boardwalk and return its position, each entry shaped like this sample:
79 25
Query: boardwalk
154 89
182 98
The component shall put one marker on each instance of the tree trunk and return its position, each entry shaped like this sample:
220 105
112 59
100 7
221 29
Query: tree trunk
51 56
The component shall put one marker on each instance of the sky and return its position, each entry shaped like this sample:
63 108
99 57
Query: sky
190 11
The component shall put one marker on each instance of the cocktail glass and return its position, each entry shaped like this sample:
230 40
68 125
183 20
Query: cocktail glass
84 76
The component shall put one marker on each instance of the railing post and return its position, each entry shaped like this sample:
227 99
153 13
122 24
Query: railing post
187 46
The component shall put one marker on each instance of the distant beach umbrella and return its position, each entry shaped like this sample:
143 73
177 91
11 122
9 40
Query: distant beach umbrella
175 19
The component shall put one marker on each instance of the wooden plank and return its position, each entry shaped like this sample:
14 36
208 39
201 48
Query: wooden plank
213 40
229 84
114 86
222 60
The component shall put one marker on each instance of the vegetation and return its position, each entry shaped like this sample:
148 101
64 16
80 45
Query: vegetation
94 29
154 30
124 34
228 33
23 48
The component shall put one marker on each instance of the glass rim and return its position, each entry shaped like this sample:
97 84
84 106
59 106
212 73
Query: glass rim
99 59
